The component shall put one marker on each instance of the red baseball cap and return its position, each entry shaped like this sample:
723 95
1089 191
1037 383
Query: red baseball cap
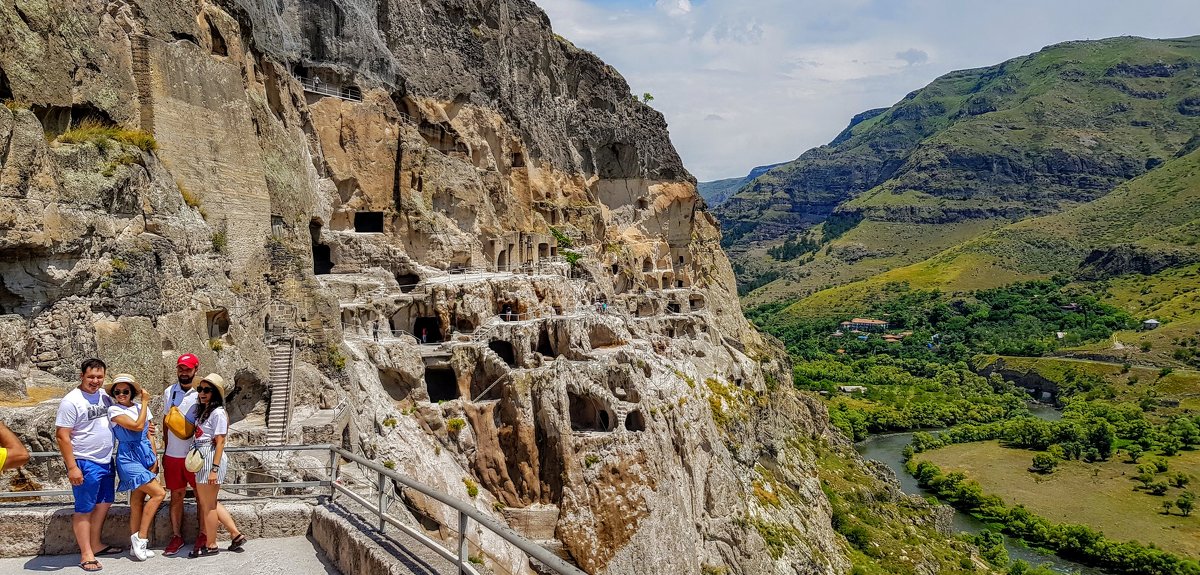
189 361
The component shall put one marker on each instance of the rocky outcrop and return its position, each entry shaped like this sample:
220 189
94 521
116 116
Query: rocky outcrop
491 262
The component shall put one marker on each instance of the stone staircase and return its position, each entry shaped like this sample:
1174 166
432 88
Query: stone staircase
279 413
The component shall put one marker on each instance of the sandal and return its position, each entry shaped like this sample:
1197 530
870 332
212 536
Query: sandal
91 566
236 544
203 552
111 550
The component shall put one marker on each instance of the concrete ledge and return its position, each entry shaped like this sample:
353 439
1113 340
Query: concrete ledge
44 529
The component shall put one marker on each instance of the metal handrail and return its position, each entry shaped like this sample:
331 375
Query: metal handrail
314 86
466 511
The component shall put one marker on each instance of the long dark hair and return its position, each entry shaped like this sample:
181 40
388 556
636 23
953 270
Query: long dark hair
215 399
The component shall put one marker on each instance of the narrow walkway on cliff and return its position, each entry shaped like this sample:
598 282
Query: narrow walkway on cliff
315 509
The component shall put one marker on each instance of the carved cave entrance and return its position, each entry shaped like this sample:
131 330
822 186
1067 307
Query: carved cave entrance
368 222
322 257
441 383
590 414
543 345
635 421
428 329
504 349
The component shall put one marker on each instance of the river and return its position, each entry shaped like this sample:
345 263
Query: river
889 448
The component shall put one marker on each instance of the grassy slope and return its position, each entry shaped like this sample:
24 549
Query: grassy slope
1064 126
1075 493
1154 210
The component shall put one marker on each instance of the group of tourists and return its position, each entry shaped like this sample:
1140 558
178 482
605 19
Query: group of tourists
107 439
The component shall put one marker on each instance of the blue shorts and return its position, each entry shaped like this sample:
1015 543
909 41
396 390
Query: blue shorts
97 486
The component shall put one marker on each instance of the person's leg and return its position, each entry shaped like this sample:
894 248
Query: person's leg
207 495
105 496
156 495
85 504
173 474
96 523
226 519
81 524
137 500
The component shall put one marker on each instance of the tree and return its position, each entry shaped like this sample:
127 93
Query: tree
1166 507
1158 488
1186 502
647 98
1044 463
1135 451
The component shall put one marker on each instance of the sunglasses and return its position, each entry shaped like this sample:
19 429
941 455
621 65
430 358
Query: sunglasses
204 389
122 391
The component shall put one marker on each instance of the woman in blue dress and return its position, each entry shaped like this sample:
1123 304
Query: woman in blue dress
137 464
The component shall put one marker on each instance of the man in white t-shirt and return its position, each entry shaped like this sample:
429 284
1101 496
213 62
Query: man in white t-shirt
86 443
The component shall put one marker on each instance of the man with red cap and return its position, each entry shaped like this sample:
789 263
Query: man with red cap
183 396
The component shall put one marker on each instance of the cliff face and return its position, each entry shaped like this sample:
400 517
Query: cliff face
224 178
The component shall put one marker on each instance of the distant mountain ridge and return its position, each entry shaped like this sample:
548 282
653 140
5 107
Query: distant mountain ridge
717 191
971 152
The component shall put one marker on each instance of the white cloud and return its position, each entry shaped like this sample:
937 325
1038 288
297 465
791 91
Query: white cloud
786 75
674 7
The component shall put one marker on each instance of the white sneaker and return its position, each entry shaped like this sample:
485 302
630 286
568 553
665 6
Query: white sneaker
145 547
136 549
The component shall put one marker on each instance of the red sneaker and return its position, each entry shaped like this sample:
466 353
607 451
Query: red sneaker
174 545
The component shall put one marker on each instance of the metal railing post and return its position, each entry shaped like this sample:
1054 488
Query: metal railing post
333 473
463 556
382 502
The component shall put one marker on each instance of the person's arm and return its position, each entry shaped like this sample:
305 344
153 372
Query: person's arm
17 454
130 423
74 475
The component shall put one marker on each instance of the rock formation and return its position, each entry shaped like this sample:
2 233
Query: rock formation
493 266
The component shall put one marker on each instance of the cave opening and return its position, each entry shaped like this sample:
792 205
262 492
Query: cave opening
428 329
505 350
543 250
441 384
543 345
218 323
5 88
219 48
407 281
635 421
589 414
368 222
696 303
647 265
322 255
642 204
674 307
615 269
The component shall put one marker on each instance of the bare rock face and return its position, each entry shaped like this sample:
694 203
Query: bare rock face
494 268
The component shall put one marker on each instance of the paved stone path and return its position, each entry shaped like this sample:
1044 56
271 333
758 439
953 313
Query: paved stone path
287 556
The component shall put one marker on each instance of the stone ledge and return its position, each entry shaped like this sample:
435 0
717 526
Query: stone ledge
353 547
44 529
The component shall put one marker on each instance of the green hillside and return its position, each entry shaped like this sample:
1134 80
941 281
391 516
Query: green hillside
972 152
1149 225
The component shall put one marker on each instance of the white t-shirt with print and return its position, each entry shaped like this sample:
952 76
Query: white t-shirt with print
186 400
131 411
87 417
216 424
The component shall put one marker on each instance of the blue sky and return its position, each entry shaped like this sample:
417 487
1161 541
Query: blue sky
750 82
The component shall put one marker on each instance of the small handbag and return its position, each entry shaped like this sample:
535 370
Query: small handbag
194 460
178 424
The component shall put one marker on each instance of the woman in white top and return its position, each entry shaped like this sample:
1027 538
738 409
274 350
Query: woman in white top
212 424
137 465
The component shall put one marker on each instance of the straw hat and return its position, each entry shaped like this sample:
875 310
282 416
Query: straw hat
129 379
217 382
